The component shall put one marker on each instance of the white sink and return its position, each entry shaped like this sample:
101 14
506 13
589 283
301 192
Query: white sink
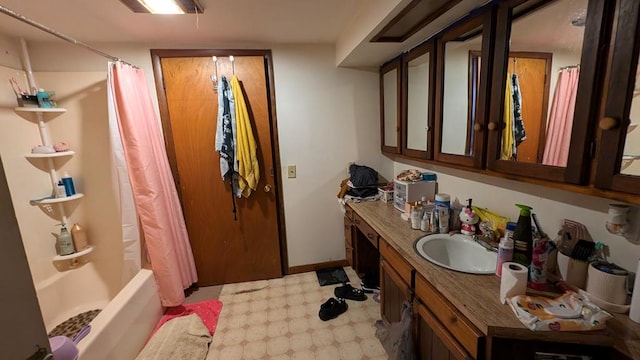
458 252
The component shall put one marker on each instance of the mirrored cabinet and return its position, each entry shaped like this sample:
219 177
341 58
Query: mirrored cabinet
390 106
618 167
464 57
418 85
542 91
547 60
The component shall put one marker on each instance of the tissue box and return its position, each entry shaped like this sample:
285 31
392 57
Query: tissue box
385 195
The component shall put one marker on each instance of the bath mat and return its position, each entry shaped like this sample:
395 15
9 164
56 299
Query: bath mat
72 326
208 311
330 276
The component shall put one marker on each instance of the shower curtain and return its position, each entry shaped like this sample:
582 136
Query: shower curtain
556 150
124 195
155 196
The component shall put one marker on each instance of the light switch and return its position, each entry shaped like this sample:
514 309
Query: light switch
291 171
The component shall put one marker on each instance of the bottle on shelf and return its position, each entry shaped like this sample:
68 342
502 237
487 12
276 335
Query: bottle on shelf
64 242
60 190
68 184
79 237
522 237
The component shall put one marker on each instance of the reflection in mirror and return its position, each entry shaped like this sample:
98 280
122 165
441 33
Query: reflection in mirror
459 99
545 40
417 102
390 86
631 155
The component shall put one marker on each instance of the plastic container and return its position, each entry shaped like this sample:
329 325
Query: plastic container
443 219
68 185
60 190
522 237
79 237
537 268
416 215
443 199
505 253
64 242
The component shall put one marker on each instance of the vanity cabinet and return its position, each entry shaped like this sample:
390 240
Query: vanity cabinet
396 282
361 244
443 327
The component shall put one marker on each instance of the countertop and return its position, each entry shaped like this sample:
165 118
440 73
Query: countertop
477 296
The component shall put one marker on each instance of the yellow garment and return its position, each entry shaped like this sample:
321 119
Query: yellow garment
248 167
506 149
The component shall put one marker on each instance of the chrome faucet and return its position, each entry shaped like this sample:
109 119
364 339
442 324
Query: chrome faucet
487 245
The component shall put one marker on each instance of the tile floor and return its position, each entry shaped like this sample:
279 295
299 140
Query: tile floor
278 319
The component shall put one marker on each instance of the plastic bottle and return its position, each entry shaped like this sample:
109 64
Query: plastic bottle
68 184
443 200
64 242
537 271
60 190
416 215
424 224
443 219
79 237
505 253
522 237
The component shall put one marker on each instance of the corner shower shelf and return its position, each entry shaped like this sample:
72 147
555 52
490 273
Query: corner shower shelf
52 155
31 113
55 200
74 255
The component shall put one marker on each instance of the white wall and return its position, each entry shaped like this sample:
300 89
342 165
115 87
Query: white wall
551 206
327 117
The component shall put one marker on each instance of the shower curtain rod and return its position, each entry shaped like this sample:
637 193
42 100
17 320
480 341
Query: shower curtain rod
64 37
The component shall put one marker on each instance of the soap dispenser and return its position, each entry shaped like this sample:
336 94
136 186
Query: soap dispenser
522 237
64 242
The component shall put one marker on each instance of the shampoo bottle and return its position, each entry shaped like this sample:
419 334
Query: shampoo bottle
79 237
522 237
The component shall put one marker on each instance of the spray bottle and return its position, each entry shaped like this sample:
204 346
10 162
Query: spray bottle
522 237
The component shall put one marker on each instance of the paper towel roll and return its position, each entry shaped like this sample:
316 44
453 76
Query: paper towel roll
634 311
513 281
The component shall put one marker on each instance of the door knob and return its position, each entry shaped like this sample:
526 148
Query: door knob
267 188
492 126
608 123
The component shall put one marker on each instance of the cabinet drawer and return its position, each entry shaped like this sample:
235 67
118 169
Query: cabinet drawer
397 262
349 255
459 326
362 225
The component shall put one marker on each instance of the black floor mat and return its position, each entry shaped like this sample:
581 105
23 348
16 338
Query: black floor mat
330 276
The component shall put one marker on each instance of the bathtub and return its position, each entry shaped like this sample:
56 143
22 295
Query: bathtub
123 326
127 318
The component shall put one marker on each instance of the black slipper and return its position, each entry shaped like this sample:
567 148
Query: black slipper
332 308
347 291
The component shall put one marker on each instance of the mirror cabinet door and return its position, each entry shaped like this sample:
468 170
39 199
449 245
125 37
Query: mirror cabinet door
390 85
618 162
546 88
462 72
419 66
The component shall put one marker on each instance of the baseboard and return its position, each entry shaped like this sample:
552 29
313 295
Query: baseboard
314 267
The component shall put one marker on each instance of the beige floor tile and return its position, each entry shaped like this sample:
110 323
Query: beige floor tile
278 319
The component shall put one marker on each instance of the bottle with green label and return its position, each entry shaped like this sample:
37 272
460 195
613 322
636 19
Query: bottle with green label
64 242
522 237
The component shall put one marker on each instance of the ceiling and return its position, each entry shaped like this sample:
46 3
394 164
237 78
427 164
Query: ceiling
223 21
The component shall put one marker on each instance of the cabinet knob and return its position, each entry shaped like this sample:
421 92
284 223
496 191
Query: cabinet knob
608 123
492 126
477 127
267 188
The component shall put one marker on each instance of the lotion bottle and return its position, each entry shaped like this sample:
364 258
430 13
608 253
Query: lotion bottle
79 237
64 243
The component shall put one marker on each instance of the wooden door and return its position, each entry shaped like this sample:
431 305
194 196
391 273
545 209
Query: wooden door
534 90
433 341
225 250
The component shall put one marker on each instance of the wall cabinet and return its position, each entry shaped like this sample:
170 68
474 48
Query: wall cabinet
566 118
390 106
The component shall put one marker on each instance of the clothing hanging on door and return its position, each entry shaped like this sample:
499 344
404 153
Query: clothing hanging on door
514 133
226 139
247 161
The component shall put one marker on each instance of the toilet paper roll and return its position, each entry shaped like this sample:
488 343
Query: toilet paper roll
513 281
634 311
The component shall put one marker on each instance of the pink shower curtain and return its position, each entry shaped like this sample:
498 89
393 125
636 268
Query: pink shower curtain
154 191
556 150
